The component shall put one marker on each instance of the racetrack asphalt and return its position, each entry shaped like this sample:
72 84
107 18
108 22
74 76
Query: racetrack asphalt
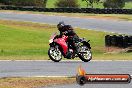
117 26
63 68
66 68
93 86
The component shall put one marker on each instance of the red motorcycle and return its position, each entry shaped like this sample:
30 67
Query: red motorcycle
59 47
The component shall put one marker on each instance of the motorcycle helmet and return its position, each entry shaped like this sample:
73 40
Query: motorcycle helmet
60 25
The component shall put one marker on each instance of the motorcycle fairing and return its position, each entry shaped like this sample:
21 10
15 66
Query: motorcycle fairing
62 43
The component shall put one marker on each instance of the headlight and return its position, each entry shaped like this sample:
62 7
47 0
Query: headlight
51 40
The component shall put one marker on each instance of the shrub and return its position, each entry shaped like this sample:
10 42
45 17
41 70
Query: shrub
67 3
114 3
5 2
38 3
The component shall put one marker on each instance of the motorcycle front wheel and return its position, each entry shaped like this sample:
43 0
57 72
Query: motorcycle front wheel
85 53
55 53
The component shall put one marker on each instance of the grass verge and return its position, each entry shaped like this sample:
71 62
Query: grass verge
33 82
29 41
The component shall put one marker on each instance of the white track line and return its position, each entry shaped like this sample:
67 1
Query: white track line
58 76
39 77
48 76
67 60
53 76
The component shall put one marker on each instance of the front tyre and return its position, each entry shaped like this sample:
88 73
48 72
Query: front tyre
85 53
55 53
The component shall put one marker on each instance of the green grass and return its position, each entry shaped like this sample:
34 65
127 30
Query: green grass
29 41
128 5
114 56
51 3
23 40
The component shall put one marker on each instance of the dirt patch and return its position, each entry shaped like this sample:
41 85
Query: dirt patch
33 82
117 50
101 17
26 24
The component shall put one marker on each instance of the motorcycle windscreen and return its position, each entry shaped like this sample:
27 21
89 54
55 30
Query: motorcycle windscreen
53 35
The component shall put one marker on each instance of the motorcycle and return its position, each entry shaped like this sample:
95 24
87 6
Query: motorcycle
59 47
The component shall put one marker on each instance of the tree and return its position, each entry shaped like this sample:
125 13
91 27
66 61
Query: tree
91 2
6 2
114 4
39 3
23 2
45 3
67 3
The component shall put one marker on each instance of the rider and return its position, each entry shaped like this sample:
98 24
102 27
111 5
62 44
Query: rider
68 31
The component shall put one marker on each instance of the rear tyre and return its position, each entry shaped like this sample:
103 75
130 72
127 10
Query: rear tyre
85 53
55 53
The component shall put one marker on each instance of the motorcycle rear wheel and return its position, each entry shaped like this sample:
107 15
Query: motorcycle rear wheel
55 53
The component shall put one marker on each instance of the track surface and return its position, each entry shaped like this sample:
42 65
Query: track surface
94 86
63 68
124 27
66 68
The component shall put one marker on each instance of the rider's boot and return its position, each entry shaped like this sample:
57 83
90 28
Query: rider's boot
68 55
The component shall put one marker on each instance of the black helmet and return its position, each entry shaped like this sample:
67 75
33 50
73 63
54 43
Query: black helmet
60 25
